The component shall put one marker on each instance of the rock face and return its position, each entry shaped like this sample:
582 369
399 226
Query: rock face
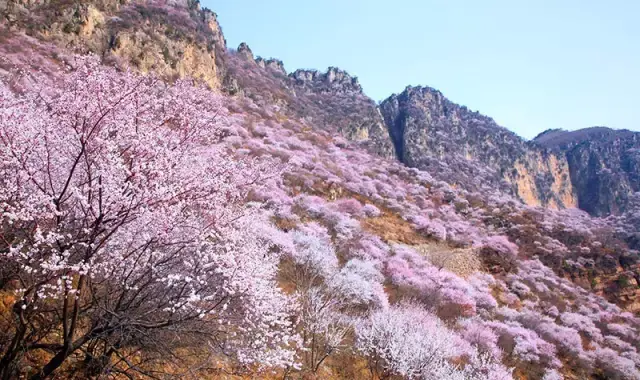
332 100
463 146
245 52
271 64
334 80
341 104
174 38
604 165
596 169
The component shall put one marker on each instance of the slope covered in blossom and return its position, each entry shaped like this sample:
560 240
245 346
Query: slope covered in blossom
257 236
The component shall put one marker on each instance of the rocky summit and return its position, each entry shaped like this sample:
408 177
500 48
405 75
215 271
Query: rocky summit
431 132
171 207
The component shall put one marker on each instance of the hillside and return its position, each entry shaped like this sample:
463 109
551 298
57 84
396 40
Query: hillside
208 214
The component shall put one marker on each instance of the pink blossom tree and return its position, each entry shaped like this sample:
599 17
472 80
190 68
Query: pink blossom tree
407 340
499 254
123 225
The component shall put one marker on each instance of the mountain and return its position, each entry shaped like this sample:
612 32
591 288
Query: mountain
595 169
426 130
604 165
332 100
431 132
413 238
596 172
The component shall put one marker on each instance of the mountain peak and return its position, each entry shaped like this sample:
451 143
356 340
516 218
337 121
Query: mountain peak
333 80
245 51
271 64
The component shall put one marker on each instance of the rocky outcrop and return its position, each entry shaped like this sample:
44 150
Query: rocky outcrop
332 100
604 165
174 38
333 80
272 64
595 169
342 105
245 52
542 178
465 147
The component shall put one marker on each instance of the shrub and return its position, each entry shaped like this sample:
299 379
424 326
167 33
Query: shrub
524 344
406 340
583 324
371 211
616 367
483 337
349 206
359 284
499 254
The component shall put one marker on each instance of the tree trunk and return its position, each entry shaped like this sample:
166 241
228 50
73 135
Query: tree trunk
53 364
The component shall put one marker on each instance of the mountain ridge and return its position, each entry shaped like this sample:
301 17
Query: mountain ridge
181 39
538 174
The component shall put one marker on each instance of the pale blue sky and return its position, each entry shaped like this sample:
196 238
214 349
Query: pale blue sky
531 65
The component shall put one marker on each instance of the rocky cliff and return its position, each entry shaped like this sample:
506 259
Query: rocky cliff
174 38
431 132
604 165
596 169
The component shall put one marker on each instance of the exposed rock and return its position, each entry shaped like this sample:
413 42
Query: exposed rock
172 38
275 65
432 133
332 100
334 80
245 52
604 165
211 20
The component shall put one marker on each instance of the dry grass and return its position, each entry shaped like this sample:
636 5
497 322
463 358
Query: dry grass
391 227
463 262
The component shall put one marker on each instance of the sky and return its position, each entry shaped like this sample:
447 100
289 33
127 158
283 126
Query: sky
531 65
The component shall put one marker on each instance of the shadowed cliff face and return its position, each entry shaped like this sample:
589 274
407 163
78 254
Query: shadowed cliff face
595 169
468 148
604 166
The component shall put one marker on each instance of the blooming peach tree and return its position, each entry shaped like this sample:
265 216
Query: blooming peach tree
123 225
